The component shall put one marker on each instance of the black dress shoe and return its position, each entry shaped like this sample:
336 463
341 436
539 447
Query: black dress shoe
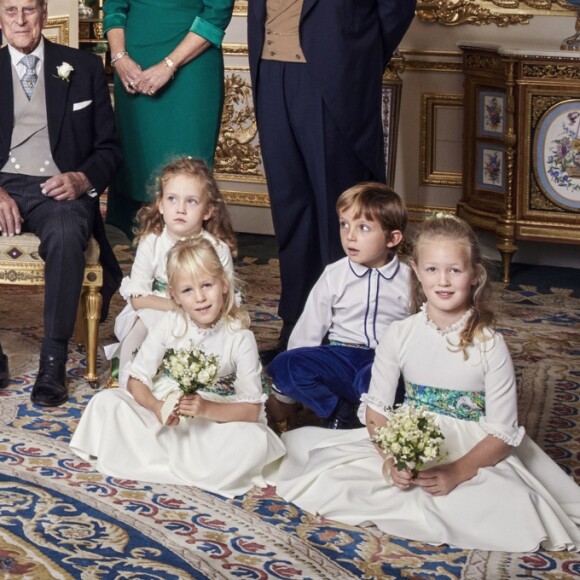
4 374
50 390
344 416
267 356
285 332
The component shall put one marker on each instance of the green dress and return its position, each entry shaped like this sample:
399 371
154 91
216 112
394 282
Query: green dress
183 118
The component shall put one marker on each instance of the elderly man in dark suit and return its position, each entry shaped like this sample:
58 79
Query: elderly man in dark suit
316 68
58 152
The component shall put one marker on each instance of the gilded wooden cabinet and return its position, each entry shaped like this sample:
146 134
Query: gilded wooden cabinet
521 145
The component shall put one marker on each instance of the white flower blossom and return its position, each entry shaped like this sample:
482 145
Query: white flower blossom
191 369
411 437
63 71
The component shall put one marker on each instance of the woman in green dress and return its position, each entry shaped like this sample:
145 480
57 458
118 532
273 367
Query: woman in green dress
169 89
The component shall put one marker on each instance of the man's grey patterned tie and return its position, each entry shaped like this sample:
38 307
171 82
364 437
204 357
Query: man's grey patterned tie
30 77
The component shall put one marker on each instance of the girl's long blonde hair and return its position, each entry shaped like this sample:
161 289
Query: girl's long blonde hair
457 230
195 258
219 224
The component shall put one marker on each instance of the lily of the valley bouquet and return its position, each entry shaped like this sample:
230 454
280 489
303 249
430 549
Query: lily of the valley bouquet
411 438
192 369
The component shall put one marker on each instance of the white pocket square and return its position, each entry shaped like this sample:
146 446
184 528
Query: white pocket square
81 105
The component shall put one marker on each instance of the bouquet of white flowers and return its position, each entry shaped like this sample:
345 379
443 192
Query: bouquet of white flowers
411 437
192 369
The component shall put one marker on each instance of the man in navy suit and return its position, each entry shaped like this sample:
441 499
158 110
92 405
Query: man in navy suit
316 69
58 152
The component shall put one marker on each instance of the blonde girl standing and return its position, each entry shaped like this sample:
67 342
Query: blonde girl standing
216 438
187 204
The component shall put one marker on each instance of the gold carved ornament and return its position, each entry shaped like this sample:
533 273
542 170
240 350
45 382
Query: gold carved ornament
551 71
236 153
456 12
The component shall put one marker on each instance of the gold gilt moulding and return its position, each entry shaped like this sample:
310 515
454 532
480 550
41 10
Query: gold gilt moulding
502 13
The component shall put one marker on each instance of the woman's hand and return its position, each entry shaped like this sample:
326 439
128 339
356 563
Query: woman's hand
191 406
439 480
154 78
128 72
402 479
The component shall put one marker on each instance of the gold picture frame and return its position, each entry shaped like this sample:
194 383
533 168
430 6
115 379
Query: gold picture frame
433 105
57 29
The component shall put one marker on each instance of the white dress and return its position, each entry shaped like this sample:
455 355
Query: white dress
149 277
124 439
524 503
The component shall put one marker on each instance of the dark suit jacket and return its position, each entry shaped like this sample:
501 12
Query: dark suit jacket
82 140
347 45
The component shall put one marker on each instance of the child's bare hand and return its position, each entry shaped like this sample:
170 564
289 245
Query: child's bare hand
157 406
173 418
191 405
402 479
439 480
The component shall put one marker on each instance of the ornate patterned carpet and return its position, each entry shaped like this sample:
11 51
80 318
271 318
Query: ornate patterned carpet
60 519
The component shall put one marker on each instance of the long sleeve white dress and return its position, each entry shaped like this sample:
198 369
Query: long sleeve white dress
126 440
524 503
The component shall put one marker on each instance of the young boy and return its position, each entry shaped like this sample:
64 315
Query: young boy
354 301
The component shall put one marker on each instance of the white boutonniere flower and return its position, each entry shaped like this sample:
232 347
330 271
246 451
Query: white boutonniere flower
63 71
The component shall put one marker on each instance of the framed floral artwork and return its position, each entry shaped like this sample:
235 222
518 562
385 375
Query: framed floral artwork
491 114
490 168
556 154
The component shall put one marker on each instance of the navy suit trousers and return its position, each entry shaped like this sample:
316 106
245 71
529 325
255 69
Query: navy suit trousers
308 163
64 229
318 376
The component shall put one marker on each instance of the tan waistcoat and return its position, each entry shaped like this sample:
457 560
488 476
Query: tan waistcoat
282 40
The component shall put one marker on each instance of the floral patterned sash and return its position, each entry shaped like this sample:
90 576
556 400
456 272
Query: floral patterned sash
159 286
223 387
349 344
466 405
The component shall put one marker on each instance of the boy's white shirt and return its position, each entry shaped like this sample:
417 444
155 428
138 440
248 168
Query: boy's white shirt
353 305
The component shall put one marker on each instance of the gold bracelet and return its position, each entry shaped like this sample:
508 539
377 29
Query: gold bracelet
117 57
170 65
